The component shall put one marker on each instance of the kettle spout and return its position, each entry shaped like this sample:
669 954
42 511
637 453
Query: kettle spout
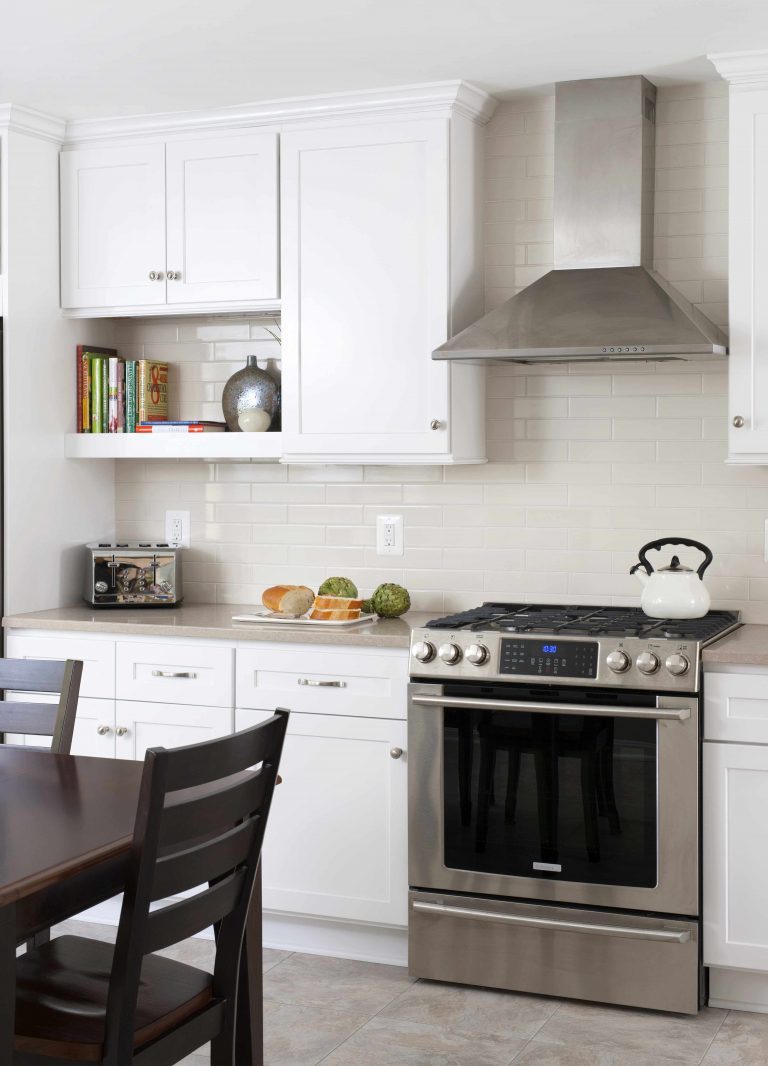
640 573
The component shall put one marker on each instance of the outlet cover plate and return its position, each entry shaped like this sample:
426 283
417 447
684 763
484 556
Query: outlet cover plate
177 529
389 534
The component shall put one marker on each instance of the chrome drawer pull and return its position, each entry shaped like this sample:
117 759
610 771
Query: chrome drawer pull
321 684
174 673
635 932
676 714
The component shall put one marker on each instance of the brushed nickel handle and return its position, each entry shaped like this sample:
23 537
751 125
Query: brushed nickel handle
122 730
435 424
321 684
396 753
738 421
174 673
586 710
634 932
102 730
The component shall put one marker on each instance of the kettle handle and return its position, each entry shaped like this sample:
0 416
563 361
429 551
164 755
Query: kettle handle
656 544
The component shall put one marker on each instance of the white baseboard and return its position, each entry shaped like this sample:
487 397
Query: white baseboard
738 990
310 936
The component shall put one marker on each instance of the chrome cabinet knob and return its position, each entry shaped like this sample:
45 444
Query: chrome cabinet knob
156 275
618 661
435 424
449 653
121 730
102 730
677 664
738 421
174 275
423 651
396 753
477 654
647 662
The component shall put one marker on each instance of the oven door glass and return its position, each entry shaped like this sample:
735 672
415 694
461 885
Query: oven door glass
567 797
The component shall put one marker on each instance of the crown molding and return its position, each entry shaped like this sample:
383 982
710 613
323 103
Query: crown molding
27 120
742 69
449 97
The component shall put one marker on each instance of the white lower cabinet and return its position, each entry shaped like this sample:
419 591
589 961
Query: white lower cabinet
336 845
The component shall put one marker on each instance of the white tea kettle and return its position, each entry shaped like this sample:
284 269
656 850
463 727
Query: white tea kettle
674 591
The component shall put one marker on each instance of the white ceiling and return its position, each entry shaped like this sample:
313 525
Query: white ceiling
78 58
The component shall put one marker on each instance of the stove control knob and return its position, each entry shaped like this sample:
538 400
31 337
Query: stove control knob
477 654
618 661
677 664
423 651
647 662
449 653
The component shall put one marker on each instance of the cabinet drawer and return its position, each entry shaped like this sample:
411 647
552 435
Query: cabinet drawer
175 673
319 680
736 707
98 657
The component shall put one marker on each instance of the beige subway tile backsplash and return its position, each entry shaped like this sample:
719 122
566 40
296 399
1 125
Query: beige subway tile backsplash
588 461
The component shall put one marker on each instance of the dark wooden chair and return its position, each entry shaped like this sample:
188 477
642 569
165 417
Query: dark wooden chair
200 822
41 719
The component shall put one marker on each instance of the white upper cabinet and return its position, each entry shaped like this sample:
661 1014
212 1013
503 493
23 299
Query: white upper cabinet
371 217
222 219
183 224
113 226
748 255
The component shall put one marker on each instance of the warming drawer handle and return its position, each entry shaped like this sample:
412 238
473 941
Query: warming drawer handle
189 674
668 936
676 714
321 684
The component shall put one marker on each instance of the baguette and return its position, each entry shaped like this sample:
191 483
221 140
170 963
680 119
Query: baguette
339 615
290 600
337 603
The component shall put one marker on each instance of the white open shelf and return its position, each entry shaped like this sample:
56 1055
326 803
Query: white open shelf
173 445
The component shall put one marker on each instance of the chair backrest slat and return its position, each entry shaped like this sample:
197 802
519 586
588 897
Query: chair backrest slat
199 764
178 921
41 719
181 871
212 809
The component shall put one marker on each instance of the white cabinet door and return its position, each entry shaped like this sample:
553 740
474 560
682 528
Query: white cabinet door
336 844
222 218
139 726
748 273
735 845
113 226
736 707
365 283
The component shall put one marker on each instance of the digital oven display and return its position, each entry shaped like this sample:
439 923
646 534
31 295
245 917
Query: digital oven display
552 658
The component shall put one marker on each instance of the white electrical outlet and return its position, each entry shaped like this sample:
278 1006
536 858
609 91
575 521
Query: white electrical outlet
389 534
177 527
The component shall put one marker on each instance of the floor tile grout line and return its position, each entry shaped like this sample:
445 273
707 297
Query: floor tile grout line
363 1024
714 1036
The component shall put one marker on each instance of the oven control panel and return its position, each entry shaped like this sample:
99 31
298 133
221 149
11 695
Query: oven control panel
549 658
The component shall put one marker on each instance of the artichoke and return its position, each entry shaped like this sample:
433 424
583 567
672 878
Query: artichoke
367 607
338 586
390 601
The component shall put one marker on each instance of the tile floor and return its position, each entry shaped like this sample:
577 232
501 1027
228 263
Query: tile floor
343 1013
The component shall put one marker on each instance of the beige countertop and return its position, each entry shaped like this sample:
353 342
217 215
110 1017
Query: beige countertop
209 621
748 646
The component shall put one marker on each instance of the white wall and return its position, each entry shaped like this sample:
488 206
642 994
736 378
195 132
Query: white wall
52 505
588 462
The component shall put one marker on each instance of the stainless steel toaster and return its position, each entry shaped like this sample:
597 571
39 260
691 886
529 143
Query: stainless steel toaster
133 574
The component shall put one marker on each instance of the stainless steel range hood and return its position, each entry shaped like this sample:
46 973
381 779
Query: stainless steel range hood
603 300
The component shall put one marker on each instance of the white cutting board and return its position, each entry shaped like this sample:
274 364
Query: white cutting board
268 616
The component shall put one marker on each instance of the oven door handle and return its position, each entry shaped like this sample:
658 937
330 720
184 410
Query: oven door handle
473 703
635 932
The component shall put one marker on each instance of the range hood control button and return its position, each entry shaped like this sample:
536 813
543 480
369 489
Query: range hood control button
677 664
477 654
618 661
449 653
423 651
647 662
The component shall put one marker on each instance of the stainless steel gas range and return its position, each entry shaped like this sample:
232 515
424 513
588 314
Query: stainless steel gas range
554 802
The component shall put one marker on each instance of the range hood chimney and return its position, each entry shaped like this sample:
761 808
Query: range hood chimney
603 300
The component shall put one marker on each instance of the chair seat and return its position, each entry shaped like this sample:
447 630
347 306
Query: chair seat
61 997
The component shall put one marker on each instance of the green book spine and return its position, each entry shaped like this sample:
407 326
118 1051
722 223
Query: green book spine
105 395
130 396
96 390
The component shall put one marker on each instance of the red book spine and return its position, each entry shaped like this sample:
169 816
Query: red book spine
79 407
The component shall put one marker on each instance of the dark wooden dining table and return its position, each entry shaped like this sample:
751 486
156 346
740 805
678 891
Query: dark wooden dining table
66 824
